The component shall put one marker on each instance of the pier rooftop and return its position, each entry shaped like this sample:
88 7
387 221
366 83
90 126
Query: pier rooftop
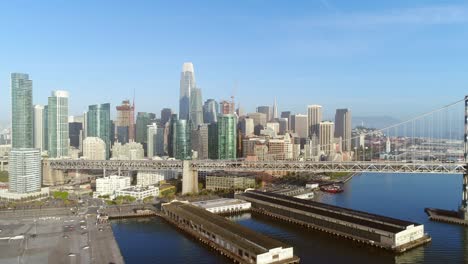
238 240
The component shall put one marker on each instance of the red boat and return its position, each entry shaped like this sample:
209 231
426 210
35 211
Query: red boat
332 188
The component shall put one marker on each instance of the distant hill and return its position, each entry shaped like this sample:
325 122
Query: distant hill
374 121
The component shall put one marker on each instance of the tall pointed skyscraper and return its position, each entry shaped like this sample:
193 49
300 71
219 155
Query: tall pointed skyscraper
275 111
187 82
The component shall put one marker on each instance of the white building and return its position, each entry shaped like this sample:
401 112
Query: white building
25 170
109 185
38 126
129 151
224 205
274 125
139 193
152 139
94 148
150 178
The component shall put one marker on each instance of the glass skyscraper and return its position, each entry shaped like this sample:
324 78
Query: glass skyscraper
22 111
58 124
196 107
210 111
99 124
143 120
222 138
181 136
187 82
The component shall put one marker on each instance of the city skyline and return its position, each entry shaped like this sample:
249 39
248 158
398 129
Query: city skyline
354 65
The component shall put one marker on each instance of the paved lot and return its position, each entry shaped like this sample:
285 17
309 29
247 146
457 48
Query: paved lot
63 238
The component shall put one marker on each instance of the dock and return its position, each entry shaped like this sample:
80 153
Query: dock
446 216
375 230
238 243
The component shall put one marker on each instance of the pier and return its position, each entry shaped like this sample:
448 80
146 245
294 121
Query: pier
229 239
388 233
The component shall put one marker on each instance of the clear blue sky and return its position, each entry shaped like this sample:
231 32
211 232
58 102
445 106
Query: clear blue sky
397 58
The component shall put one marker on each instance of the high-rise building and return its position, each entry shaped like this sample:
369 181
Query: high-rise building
165 115
265 110
99 124
22 111
343 127
326 136
38 130
275 111
247 126
314 113
181 140
94 148
58 124
287 114
187 82
226 107
283 125
170 135
25 170
161 141
260 120
152 134
126 118
143 120
223 138
200 141
299 125
196 107
75 130
210 111
45 125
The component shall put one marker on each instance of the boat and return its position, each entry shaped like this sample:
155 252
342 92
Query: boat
334 188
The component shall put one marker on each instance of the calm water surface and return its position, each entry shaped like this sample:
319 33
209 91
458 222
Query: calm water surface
397 195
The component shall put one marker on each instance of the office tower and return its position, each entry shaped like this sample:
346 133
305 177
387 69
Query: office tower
343 127
45 125
200 141
196 107
94 148
22 111
58 124
210 111
247 126
226 107
25 170
265 110
143 120
283 125
161 141
165 115
314 113
125 119
181 140
260 120
38 131
300 125
74 134
187 82
98 124
275 111
170 136
223 138
326 136
273 126
152 134
85 126
287 114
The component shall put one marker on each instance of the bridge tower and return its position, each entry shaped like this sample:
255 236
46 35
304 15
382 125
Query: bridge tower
189 178
464 205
